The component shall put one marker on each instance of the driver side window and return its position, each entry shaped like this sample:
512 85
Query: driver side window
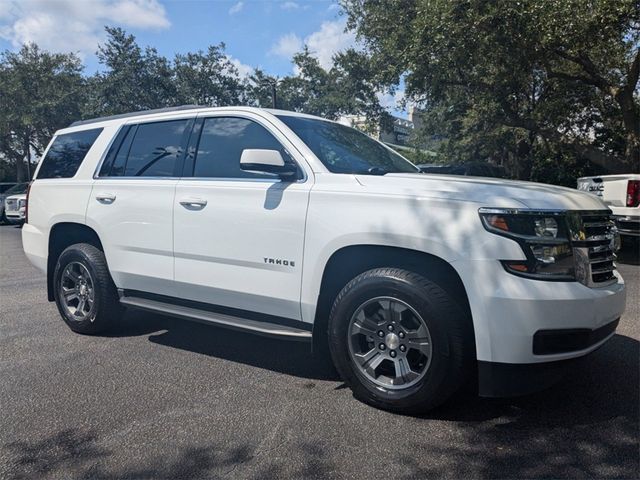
221 144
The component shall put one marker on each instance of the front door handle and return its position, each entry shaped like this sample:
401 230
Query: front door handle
192 203
106 198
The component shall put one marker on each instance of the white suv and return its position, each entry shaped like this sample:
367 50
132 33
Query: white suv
290 225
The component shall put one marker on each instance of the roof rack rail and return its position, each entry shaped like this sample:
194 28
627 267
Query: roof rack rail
136 114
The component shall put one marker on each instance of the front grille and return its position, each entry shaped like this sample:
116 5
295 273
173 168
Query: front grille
595 248
12 205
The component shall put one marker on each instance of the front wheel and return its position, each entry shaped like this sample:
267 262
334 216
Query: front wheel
84 292
399 340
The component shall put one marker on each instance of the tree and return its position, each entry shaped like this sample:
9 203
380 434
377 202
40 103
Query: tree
134 79
207 78
515 82
343 89
40 92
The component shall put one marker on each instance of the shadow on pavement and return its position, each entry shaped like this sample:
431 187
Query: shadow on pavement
629 254
283 356
77 454
586 426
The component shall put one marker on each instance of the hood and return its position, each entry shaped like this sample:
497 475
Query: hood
17 196
487 192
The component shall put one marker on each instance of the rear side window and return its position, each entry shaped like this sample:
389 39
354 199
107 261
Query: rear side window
67 153
148 150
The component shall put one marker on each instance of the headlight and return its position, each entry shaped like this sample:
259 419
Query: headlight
544 238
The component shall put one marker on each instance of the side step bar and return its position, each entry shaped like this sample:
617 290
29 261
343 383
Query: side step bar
223 320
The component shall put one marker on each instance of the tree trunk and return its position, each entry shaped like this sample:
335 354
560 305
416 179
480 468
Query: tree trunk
27 155
21 174
632 152
630 117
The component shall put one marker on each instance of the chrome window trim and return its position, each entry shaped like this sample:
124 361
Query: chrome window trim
539 211
241 179
207 179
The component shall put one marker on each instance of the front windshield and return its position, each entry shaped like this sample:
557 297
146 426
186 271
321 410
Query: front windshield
16 189
345 150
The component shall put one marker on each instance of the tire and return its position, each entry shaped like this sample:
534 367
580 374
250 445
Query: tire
83 264
3 219
435 372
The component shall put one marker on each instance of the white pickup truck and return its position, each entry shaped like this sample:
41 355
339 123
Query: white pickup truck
292 226
621 193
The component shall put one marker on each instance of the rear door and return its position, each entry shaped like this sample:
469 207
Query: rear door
239 236
131 204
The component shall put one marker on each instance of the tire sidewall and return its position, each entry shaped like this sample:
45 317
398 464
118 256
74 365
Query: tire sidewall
431 313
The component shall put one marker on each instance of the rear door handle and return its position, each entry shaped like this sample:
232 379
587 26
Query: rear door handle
192 203
106 198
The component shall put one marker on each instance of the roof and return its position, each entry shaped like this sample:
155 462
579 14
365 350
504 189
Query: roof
136 114
183 108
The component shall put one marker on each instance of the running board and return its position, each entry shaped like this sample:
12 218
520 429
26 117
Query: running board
220 319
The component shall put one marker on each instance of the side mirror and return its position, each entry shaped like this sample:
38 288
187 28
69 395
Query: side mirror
268 161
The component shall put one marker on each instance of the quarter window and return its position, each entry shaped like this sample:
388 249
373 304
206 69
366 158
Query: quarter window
67 153
221 144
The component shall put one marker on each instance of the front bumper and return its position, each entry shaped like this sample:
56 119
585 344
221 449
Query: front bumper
15 216
628 225
508 311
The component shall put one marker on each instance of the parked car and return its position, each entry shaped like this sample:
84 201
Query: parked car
621 193
15 207
289 225
475 169
16 189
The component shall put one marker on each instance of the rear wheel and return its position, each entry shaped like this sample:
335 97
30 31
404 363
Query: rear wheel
84 292
399 340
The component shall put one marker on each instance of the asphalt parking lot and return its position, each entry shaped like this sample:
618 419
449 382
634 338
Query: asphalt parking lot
165 398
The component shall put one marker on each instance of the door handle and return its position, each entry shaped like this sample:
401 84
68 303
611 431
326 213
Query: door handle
106 198
193 203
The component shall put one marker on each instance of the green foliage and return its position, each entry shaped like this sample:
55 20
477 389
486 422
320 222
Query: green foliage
344 89
417 156
515 82
207 78
40 92
134 79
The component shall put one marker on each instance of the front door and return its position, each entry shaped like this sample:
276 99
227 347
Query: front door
238 236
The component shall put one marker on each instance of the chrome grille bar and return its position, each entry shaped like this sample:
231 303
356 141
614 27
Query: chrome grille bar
594 245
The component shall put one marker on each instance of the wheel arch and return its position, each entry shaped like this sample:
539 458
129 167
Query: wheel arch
61 236
350 261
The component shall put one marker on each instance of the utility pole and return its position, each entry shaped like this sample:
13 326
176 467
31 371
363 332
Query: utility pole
273 94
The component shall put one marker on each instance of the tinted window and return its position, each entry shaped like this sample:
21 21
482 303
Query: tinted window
16 189
222 142
345 150
67 153
120 160
154 151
